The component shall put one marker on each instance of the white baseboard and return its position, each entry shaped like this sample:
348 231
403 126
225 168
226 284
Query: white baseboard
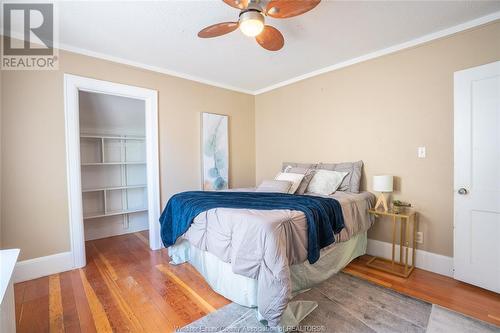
61 262
34 268
96 229
428 261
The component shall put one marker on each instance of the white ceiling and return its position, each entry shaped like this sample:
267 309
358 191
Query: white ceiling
162 36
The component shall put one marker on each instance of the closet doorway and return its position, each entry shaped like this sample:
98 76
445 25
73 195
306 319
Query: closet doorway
112 160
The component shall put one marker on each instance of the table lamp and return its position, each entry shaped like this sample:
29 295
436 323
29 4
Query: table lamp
382 184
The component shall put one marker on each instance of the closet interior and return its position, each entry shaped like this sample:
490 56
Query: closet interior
113 164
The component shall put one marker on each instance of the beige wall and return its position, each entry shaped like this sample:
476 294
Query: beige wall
35 204
380 111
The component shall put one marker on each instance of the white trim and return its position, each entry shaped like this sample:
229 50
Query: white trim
157 69
43 266
428 261
123 61
395 48
372 55
72 85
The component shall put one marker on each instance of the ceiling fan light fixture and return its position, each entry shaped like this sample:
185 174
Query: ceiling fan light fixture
251 23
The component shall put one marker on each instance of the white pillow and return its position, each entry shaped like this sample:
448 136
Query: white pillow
326 182
295 178
279 186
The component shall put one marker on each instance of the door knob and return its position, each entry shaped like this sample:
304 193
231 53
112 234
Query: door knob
462 191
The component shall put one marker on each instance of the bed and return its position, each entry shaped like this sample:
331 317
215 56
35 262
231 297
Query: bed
215 244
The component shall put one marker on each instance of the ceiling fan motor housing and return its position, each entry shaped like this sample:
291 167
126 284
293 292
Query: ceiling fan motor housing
251 22
251 14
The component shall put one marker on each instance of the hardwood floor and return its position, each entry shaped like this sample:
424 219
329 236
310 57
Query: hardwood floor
125 287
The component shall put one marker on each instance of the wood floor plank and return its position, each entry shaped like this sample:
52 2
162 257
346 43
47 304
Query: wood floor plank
19 289
70 312
135 260
56 316
99 315
184 272
35 307
176 297
175 318
85 316
165 270
195 281
139 303
119 312
149 316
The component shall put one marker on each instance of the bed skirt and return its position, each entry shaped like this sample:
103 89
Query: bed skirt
243 290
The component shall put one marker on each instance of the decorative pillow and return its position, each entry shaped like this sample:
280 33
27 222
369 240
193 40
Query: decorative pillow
351 183
307 172
280 186
295 178
326 182
298 165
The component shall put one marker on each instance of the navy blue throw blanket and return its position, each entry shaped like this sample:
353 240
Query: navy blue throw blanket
324 215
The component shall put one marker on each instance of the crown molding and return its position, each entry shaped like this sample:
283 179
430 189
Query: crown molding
372 55
73 49
123 61
392 49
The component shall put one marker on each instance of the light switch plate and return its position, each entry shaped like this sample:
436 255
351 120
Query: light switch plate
420 237
421 152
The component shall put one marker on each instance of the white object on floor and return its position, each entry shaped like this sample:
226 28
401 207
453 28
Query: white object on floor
8 259
477 176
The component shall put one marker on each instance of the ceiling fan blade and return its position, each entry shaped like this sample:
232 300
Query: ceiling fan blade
238 4
289 8
270 38
218 29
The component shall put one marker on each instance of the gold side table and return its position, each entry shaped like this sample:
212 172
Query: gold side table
401 267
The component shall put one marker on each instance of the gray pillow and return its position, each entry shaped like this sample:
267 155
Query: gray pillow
351 182
305 169
298 165
279 186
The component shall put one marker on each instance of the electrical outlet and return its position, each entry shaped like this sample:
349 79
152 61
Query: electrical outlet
421 152
420 237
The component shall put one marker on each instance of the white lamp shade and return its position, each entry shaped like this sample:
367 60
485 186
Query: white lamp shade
383 183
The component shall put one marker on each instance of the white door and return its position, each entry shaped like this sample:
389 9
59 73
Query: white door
477 176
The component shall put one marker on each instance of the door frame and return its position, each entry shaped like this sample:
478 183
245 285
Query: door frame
73 84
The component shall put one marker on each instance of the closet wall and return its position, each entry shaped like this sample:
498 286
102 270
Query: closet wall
113 165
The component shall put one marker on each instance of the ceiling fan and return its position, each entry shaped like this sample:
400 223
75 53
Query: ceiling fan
252 17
